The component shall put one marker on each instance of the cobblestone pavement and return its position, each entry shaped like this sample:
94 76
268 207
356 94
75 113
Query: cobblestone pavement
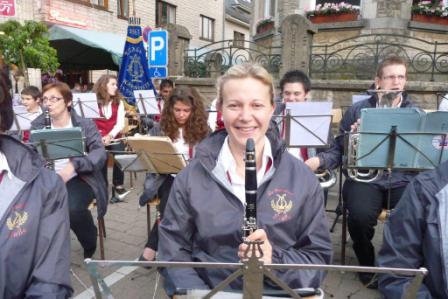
126 234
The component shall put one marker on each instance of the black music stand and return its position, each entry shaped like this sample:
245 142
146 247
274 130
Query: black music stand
22 118
86 105
146 102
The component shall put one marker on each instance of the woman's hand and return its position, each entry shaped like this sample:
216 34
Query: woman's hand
106 140
354 127
313 163
266 247
67 172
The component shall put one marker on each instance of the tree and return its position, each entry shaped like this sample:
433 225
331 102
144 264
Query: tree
26 46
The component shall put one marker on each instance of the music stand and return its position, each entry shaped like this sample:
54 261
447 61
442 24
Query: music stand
57 144
22 118
86 105
401 139
308 124
154 154
146 102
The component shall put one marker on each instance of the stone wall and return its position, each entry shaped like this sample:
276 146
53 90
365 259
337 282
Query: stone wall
340 92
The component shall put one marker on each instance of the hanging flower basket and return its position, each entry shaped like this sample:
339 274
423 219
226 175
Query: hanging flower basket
430 19
343 17
264 26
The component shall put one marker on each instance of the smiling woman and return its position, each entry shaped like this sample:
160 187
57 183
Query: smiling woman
209 194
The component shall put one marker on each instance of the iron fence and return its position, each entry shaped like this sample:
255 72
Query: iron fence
358 57
215 58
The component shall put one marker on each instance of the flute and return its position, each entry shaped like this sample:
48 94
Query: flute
250 217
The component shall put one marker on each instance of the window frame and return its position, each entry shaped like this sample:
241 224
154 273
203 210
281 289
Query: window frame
238 41
201 28
120 9
159 10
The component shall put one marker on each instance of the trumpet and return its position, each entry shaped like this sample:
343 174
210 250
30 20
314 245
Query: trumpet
359 174
327 178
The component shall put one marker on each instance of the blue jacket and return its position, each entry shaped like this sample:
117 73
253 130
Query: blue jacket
332 158
35 229
416 235
203 219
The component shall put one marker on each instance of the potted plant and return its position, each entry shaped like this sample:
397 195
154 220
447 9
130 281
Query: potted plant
333 12
428 11
264 25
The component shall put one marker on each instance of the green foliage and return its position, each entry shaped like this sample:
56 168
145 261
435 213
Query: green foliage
27 45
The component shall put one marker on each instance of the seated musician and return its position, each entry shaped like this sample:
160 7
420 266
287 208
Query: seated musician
365 201
81 175
416 236
31 99
110 126
206 207
34 235
185 122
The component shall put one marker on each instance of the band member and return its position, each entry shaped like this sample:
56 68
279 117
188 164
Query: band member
365 201
206 207
82 175
34 235
165 89
185 122
31 99
415 236
110 125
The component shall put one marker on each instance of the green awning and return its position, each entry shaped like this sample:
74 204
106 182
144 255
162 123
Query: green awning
82 49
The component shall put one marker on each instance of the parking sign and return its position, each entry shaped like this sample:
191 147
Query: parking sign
158 48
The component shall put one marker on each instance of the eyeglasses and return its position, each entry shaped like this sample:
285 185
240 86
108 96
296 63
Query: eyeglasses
52 99
393 77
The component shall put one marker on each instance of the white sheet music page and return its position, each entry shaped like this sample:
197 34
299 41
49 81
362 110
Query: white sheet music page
22 118
310 123
86 105
146 102
360 97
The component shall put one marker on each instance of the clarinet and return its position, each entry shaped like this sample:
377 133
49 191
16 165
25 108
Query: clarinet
250 217
47 122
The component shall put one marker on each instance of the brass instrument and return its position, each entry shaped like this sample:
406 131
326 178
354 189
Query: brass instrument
327 178
358 174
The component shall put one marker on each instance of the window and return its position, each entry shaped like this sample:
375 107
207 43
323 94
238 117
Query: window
238 39
95 3
165 13
269 8
123 8
207 28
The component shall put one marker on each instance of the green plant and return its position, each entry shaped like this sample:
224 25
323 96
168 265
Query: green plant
26 46
327 9
431 8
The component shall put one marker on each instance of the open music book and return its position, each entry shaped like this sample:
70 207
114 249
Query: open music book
421 141
155 154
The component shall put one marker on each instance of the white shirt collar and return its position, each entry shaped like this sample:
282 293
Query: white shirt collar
228 163
4 166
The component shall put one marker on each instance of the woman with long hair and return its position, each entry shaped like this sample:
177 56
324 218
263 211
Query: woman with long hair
184 120
110 125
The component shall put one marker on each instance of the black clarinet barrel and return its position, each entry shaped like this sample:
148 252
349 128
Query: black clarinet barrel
250 219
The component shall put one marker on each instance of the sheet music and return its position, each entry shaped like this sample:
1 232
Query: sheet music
146 102
310 123
23 118
86 105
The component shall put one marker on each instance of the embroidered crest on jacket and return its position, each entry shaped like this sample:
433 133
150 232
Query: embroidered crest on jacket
15 223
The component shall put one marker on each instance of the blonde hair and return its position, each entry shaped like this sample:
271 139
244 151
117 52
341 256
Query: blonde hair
243 71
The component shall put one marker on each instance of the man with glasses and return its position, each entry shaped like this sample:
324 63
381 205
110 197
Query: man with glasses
365 201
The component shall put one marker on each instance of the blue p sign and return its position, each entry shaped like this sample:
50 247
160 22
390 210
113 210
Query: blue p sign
158 48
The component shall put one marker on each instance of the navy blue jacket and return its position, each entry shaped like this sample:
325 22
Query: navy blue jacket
203 219
416 235
332 158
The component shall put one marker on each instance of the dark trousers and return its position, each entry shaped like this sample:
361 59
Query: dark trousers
364 203
163 193
80 195
117 173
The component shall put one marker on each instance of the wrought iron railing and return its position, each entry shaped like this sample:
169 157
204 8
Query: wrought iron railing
215 58
358 57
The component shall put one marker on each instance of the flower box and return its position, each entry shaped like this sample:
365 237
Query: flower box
343 17
430 19
265 26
